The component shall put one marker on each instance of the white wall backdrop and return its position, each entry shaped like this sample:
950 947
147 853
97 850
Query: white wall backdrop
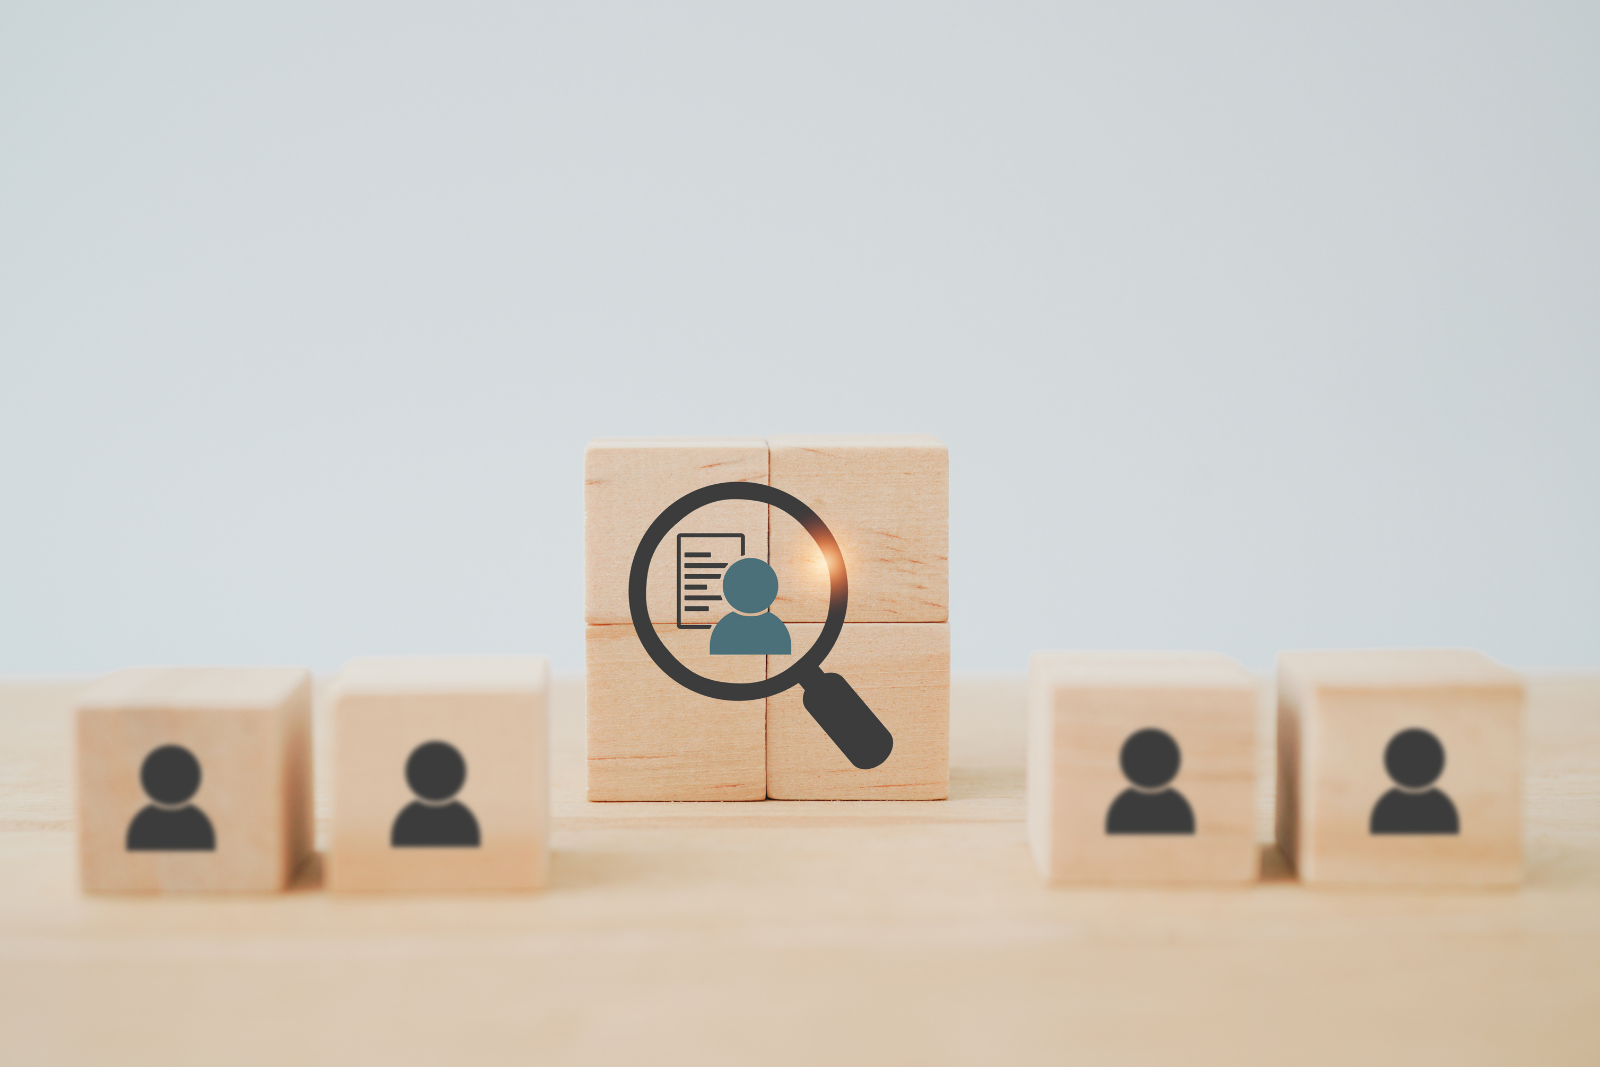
1249 325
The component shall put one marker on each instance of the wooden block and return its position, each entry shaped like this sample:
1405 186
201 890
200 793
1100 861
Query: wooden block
441 773
628 481
886 498
902 671
1400 766
194 779
651 739
1142 767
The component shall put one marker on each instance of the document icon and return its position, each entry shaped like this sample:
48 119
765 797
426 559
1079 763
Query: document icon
702 557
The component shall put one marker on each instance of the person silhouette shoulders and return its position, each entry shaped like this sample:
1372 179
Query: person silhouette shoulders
1150 760
435 772
750 586
171 776
1414 760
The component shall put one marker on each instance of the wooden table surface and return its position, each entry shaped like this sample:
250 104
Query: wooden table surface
806 933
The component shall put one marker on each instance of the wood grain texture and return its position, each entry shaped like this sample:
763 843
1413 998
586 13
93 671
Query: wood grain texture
491 709
628 481
807 932
902 671
1338 711
1083 707
886 499
650 739
248 728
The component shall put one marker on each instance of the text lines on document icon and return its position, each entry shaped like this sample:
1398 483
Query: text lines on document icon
702 557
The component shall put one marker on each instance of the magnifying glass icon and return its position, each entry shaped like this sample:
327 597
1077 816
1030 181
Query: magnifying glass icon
842 714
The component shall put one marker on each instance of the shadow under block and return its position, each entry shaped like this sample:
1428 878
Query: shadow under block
628 481
649 738
886 499
491 710
902 671
246 732
1337 714
1083 708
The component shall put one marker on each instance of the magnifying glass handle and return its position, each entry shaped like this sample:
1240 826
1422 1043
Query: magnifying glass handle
847 720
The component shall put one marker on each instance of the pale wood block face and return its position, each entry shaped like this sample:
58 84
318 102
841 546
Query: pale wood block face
628 481
886 499
651 739
1339 713
244 825
1088 821
902 671
484 821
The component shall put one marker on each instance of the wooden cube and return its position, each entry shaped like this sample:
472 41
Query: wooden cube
627 482
1142 767
649 738
1400 766
902 672
886 499
441 773
194 779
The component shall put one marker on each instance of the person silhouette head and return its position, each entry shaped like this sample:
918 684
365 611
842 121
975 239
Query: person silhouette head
1150 761
435 772
1414 759
750 585
170 776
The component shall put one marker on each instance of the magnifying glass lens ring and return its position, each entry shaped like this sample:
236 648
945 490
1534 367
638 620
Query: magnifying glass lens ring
638 591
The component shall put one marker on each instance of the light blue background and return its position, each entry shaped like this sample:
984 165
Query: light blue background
1249 326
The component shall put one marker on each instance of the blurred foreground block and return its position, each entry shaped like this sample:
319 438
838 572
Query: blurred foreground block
194 779
441 773
1142 767
1400 766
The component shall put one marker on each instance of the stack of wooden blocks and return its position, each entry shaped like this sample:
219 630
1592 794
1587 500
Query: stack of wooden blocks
886 500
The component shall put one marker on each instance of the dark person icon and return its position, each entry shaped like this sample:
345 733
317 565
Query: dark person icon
1414 759
170 776
435 773
1150 761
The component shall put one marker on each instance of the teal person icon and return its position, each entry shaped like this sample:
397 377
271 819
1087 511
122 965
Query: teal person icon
749 587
